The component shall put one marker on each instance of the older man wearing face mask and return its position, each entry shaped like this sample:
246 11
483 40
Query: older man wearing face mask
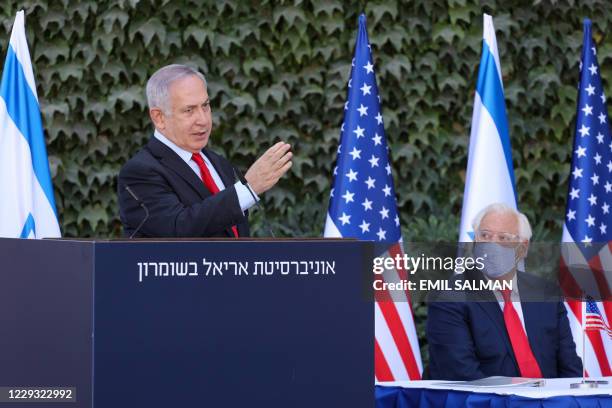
189 190
523 332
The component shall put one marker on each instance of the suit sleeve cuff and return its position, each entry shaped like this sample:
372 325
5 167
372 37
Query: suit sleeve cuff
244 196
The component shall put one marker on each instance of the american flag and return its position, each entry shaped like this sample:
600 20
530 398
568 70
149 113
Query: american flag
593 318
363 205
588 217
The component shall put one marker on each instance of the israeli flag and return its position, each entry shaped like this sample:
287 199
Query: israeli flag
490 174
27 206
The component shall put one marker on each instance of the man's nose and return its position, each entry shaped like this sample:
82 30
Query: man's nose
201 116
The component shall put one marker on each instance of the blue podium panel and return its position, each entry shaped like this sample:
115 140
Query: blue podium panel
46 317
220 323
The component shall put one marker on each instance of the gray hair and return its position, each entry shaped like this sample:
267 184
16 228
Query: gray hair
159 84
501 208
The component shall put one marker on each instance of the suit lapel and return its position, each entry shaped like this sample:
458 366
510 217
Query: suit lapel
227 176
531 313
487 301
495 314
171 160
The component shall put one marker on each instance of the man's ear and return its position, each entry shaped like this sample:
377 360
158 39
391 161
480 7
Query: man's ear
158 118
522 249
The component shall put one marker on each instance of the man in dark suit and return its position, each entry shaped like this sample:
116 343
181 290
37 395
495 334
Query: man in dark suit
189 190
523 331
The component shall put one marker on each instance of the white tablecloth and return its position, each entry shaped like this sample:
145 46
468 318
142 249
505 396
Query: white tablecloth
554 387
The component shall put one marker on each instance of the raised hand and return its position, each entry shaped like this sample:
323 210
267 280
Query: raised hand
269 168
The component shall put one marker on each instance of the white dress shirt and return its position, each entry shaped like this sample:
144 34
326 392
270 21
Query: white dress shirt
244 197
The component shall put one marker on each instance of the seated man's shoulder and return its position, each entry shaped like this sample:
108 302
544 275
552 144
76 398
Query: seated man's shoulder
538 288
450 296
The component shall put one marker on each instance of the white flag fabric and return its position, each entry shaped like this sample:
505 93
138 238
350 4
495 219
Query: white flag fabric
490 173
27 206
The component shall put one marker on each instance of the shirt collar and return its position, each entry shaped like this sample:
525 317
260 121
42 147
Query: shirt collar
183 154
514 293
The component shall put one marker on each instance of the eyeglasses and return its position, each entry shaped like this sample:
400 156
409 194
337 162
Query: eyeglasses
493 236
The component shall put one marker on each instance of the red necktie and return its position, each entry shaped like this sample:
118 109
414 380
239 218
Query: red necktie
528 366
208 180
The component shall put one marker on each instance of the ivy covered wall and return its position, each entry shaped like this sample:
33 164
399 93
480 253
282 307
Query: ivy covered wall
278 70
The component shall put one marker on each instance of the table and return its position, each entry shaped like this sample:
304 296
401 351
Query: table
555 394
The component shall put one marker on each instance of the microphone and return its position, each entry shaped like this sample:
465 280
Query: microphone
240 177
144 207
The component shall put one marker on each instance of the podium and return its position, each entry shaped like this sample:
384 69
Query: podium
189 323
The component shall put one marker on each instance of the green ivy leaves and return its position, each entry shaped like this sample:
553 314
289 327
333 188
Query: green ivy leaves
278 70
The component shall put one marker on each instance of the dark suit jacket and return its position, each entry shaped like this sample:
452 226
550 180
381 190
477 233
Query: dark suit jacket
468 338
178 202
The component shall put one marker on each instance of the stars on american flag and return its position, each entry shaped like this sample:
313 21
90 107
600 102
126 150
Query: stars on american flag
602 118
364 205
590 220
574 194
348 197
352 175
590 191
345 219
370 182
365 89
377 139
355 153
384 213
363 110
365 227
358 132
588 214
594 319
590 90
597 158
584 131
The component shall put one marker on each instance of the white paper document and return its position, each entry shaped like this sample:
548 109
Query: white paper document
498 381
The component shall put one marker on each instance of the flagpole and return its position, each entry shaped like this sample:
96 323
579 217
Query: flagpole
585 383
583 313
